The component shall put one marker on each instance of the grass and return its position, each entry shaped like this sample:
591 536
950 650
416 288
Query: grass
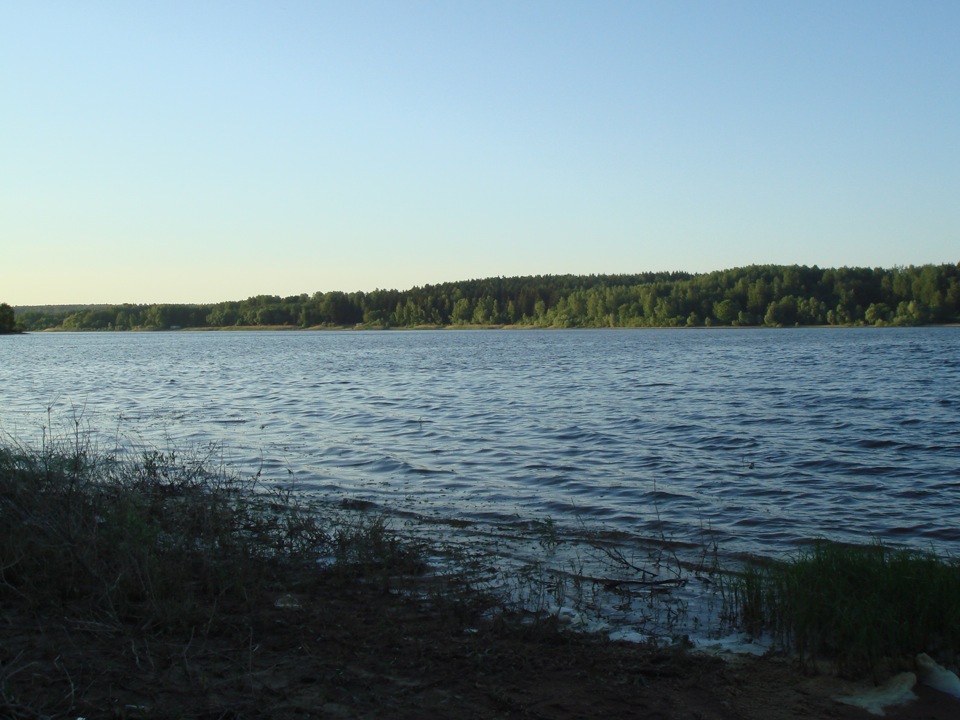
161 550
869 608
119 576
153 541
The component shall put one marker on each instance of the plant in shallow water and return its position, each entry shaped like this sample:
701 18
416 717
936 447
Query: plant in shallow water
863 606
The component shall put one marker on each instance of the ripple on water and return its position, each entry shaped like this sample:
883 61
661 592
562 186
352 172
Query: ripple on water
772 438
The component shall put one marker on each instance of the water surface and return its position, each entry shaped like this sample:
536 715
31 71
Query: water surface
758 440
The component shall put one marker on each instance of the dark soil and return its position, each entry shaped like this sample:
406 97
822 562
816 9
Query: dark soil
348 650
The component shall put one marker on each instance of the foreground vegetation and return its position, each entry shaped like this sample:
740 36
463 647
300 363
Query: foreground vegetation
162 561
160 585
157 587
759 295
869 608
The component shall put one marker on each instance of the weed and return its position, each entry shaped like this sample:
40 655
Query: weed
148 538
366 545
547 534
865 607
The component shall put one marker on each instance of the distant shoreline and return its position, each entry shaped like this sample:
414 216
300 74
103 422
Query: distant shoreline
752 296
478 328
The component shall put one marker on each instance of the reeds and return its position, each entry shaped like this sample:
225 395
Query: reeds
866 607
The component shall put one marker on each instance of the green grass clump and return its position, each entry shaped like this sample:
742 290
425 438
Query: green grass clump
862 606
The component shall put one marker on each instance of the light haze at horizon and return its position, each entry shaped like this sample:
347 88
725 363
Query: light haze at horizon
199 152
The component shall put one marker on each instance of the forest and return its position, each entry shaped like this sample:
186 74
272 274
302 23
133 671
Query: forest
753 296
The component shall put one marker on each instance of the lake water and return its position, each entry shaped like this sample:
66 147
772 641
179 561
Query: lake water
758 440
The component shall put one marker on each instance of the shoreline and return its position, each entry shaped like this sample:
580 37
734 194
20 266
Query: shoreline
375 630
478 328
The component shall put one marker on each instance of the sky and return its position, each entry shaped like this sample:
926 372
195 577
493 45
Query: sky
208 150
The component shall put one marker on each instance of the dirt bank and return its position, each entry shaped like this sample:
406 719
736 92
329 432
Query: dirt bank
356 652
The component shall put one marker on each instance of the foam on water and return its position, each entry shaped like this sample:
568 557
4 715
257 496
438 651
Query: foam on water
937 676
898 690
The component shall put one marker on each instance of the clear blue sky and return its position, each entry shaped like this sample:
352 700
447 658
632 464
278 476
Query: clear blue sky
204 150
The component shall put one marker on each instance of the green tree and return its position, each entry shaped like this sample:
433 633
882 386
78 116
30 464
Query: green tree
726 311
911 313
336 308
877 313
486 311
461 312
8 319
757 294
782 312
539 310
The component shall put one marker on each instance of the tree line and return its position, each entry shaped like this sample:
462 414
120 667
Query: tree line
758 295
